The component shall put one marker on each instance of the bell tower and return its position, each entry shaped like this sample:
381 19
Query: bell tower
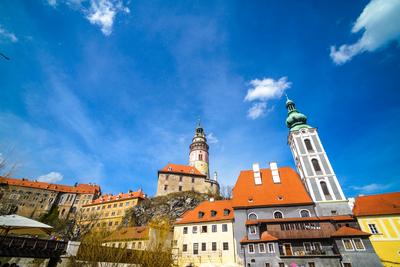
198 156
313 165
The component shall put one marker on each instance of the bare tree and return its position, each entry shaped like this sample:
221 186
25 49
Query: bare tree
226 191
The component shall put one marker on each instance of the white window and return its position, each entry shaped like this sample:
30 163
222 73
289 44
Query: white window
252 229
358 244
348 245
194 229
224 228
307 246
271 248
373 228
251 248
261 247
214 228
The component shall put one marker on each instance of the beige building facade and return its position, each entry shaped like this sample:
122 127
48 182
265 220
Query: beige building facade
107 212
178 178
204 236
32 199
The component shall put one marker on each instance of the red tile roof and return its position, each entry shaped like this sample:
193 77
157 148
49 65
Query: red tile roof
382 204
184 169
112 198
129 233
349 231
290 190
192 216
322 218
79 188
265 237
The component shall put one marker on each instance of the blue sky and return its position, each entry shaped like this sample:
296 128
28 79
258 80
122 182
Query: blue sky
109 91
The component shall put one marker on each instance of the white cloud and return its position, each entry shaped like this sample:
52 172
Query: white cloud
266 89
103 12
257 110
262 91
51 177
380 21
52 3
212 139
371 188
9 36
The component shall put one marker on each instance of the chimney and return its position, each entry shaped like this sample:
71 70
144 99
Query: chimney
257 174
275 172
215 176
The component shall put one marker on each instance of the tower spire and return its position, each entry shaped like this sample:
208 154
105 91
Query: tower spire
295 119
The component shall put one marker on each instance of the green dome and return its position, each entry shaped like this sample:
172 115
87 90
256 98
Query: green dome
295 119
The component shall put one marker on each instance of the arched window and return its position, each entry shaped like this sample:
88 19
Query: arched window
308 144
325 190
278 215
316 166
252 216
304 213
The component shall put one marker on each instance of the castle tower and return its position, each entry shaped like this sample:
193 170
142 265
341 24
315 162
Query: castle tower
198 156
314 166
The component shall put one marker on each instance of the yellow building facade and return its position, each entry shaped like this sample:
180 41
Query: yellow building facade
380 216
107 211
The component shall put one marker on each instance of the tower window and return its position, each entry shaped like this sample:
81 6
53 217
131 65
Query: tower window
180 178
192 180
316 166
165 187
180 188
308 144
325 190
200 156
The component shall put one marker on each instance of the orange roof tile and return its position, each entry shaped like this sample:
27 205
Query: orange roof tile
349 231
79 188
192 216
382 204
322 218
290 190
184 169
112 198
129 233
265 237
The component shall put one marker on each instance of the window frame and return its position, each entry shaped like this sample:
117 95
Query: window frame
195 248
269 247
350 242
204 227
261 250
225 226
214 227
361 242
248 248
185 230
278 211
302 210
250 214
213 246
184 247
252 230
223 246
194 229
374 231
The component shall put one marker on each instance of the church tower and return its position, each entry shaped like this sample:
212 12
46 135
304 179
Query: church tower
314 166
198 156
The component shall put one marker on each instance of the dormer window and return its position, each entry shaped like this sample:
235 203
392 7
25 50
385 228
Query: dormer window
169 168
213 213
201 214
278 215
226 212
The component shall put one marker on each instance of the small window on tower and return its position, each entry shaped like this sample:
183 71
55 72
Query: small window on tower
325 190
200 156
165 187
309 147
316 166
180 188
